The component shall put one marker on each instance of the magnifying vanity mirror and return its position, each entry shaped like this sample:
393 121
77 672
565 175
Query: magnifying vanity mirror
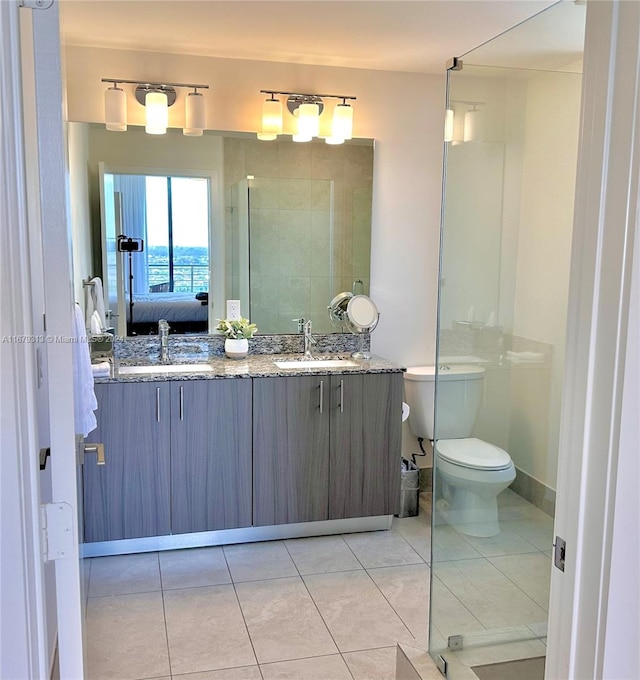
281 226
358 313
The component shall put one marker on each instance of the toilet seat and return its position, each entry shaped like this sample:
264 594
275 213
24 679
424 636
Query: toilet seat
473 453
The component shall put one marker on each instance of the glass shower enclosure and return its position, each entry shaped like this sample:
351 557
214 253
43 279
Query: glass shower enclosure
511 156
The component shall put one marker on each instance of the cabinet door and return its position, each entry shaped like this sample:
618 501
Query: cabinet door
290 449
128 497
210 455
366 417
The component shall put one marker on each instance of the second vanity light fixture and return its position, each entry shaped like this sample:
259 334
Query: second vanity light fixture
473 130
307 110
156 98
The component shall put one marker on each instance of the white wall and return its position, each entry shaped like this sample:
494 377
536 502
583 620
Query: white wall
403 112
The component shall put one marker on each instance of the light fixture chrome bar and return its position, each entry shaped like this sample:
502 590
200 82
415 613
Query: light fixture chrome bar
300 94
190 86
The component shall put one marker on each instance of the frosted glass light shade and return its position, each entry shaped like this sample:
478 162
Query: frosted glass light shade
194 115
115 109
334 140
266 136
272 116
308 120
448 125
157 113
343 121
473 126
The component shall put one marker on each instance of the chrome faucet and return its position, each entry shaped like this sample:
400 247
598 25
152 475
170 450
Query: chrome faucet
308 340
163 332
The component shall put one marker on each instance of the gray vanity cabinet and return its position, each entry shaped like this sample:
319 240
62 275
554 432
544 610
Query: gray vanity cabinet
326 447
210 455
290 449
129 496
365 445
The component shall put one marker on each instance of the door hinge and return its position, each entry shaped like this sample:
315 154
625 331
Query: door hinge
559 552
56 531
454 64
441 664
36 4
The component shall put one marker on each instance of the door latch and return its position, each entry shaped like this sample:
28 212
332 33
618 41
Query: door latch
559 553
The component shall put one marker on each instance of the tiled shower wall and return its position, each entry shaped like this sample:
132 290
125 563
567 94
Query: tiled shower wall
309 227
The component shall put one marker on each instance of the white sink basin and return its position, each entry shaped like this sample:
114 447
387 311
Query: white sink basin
316 363
168 368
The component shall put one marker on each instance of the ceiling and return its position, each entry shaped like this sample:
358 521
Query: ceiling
416 36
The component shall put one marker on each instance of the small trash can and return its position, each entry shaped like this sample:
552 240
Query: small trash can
409 489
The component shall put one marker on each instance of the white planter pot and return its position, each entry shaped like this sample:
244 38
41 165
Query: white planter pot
236 349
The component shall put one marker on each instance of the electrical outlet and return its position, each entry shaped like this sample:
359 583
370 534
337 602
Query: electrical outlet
233 309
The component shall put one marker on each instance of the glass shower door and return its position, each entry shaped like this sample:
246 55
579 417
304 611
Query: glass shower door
506 237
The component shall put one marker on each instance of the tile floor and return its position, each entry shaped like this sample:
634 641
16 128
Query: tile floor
329 607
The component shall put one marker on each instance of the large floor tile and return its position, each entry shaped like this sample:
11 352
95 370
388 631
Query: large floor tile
406 588
356 612
193 567
322 554
372 664
417 532
242 673
485 654
283 620
507 542
126 637
259 561
206 630
539 532
124 574
449 545
318 668
381 549
449 615
489 595
531 573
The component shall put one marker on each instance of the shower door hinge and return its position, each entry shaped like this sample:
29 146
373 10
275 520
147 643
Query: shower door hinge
559 552
56 522
454 643
454 64
441 664
36 4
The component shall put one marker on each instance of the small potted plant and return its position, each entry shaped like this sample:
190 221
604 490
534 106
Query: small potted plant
237 332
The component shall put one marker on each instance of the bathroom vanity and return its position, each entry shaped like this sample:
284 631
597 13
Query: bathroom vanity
243 451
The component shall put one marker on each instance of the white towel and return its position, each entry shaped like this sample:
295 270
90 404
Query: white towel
95 323
95 303
101 370
84 398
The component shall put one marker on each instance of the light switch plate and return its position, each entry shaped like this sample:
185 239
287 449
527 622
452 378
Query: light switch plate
233 309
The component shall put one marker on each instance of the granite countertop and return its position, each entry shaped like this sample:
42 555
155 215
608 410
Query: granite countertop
254 366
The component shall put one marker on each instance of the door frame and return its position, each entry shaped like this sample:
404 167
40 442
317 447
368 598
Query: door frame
605 223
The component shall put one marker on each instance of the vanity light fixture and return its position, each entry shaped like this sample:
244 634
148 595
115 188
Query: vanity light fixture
473 128
156 98
307 110
448 125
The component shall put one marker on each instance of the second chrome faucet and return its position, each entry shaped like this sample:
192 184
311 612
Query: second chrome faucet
308 340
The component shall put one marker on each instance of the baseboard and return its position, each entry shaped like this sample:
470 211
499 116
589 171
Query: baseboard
534 491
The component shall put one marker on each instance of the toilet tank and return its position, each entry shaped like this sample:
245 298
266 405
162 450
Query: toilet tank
459 398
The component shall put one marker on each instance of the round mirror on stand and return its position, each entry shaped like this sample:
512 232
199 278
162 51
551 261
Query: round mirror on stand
361 317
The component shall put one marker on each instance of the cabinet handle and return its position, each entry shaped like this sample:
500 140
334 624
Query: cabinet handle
342 396
157 404
321 396
181 404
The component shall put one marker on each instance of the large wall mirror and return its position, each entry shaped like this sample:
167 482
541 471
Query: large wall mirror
281 226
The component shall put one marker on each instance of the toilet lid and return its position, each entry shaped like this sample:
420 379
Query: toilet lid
473 453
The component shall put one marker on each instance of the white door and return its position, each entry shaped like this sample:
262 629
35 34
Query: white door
51 290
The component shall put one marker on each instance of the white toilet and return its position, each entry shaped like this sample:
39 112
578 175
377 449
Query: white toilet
474 472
